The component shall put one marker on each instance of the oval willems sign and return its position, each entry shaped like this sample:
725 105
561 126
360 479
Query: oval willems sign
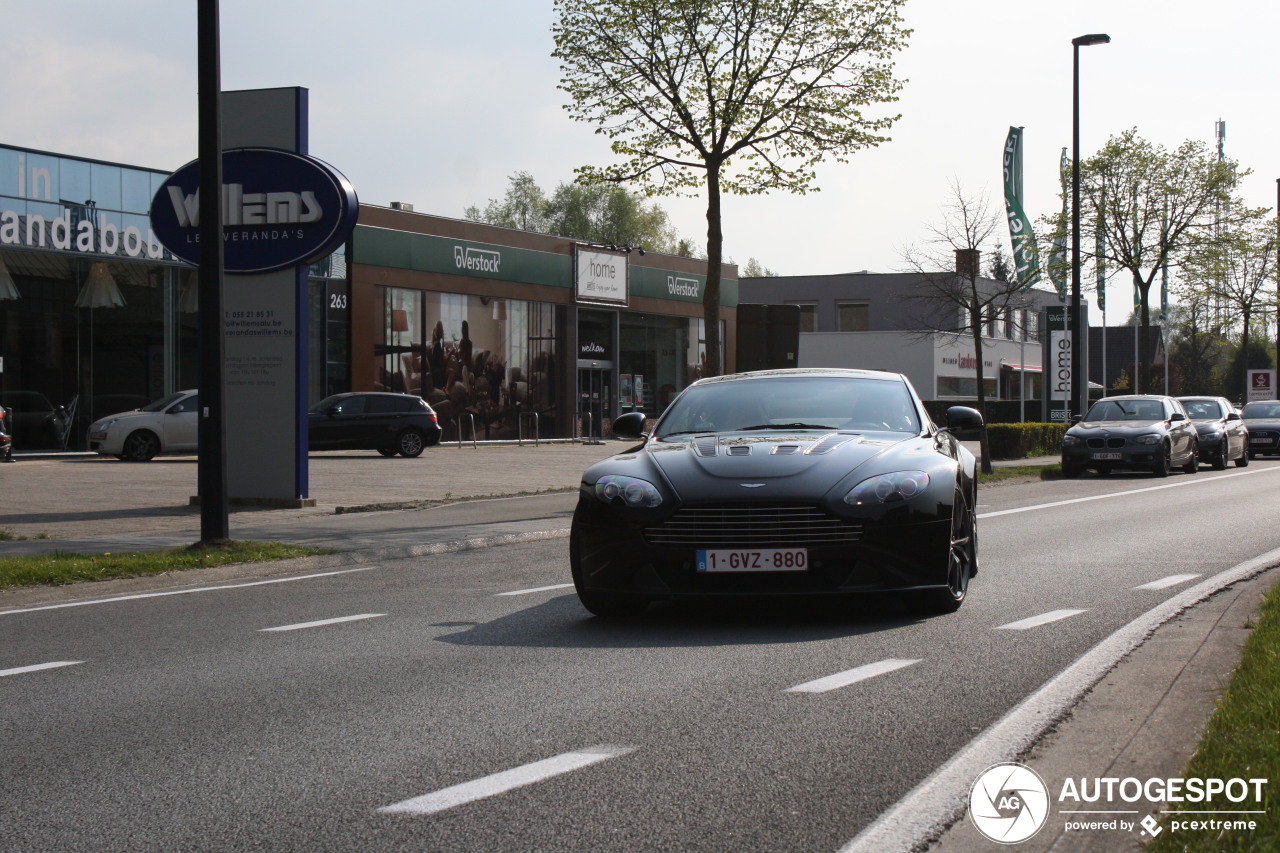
279 210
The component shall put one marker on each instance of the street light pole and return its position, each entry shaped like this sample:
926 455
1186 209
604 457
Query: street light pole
1079 382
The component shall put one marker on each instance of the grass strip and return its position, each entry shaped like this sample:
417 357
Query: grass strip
61 567
1241 740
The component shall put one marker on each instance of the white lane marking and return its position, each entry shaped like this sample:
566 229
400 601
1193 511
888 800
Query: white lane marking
1172 580
299 626
849 676
1037 621
36 667
507 780
537 589
1176 485
939 800
182 591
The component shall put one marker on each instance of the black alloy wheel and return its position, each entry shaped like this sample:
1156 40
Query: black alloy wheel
606 605
1071 470
1243 460
141 446
1220 461
962 558
410 443
1163 461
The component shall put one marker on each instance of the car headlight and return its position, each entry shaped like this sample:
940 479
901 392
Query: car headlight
888 488
633 491
1149 438
102 426
1072 440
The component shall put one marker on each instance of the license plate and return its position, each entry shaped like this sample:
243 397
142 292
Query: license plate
753 560
1254 440
1102 457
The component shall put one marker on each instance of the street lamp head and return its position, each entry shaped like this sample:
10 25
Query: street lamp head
1092 38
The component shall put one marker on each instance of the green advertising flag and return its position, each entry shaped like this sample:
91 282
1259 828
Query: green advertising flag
1026 256
1058 260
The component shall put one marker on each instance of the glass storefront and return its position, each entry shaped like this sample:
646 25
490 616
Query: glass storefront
487 365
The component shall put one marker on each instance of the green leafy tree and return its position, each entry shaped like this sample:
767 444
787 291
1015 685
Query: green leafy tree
755 269
1156 201
736 96
524 206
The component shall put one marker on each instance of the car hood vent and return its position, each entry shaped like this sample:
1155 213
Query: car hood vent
705 446
785 449
740 450
829 443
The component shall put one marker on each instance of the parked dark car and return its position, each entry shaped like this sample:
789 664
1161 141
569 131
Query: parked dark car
6 443
34 423
781 483
1262 418
1136 432
1222 435
386 422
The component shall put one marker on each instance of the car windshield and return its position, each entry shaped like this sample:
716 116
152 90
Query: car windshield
1126 410
791 403
1262 410
1202 409
164 402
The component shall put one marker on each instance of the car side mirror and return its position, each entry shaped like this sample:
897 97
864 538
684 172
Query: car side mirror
1234 416
1177 416
964 422
630 426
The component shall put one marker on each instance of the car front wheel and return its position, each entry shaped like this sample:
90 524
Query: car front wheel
1243 461
1193 462
1224 452
962 558
1163 462
140 446
410 443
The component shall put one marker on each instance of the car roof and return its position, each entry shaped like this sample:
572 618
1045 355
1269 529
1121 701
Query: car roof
797 372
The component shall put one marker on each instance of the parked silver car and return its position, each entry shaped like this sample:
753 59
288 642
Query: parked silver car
168 425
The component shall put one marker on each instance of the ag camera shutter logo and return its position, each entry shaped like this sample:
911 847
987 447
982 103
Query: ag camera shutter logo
1009 803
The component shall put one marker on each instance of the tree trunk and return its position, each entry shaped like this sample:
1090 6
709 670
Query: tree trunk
711 295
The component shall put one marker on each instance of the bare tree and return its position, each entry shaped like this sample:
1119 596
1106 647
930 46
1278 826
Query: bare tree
951 284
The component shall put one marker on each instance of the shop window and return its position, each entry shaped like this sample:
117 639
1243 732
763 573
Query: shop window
852 316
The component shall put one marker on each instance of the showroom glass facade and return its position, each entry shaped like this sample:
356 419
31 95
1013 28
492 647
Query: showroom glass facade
95 316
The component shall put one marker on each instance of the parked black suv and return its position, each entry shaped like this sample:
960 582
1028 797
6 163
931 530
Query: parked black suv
387 423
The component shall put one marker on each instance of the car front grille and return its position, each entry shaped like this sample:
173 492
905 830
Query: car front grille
753 525
1099 443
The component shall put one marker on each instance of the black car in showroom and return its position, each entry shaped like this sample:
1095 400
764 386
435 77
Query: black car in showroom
1221 434
376 420
1145 432
801 482
1262 418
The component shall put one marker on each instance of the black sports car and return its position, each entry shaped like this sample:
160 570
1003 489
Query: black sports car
1222 436
781 483
1135 431
1262 417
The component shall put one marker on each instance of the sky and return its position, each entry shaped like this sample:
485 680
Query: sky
437 103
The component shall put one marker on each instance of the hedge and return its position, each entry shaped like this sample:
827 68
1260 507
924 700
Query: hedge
1019 441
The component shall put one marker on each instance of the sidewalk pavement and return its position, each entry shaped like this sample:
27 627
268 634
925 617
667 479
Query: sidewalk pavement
1143 719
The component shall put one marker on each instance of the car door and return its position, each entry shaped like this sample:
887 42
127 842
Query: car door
180 425
342 425
1182 432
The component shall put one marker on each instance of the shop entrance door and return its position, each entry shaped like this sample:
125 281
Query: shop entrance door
593 402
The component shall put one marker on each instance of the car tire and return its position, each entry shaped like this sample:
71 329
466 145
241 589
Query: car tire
1193 462
1071 470
962 558
1243 461
1224 452
410 443
603 604
140 446
1163 463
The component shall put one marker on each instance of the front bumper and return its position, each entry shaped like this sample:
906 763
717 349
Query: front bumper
1129 456
615 555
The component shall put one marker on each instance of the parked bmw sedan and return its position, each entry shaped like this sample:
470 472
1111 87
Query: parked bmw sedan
781 483
385 422
167 425
1138 431
1262 418
1221 433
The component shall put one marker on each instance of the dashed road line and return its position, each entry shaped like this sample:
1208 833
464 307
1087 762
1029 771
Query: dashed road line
37 667
850 676
508 780
1165 583
537 589
301 625
1037 621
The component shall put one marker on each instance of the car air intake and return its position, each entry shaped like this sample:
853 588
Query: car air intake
752 525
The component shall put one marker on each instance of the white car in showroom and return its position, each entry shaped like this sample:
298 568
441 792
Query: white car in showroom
168 425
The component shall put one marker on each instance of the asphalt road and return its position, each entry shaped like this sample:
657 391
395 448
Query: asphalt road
467 702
